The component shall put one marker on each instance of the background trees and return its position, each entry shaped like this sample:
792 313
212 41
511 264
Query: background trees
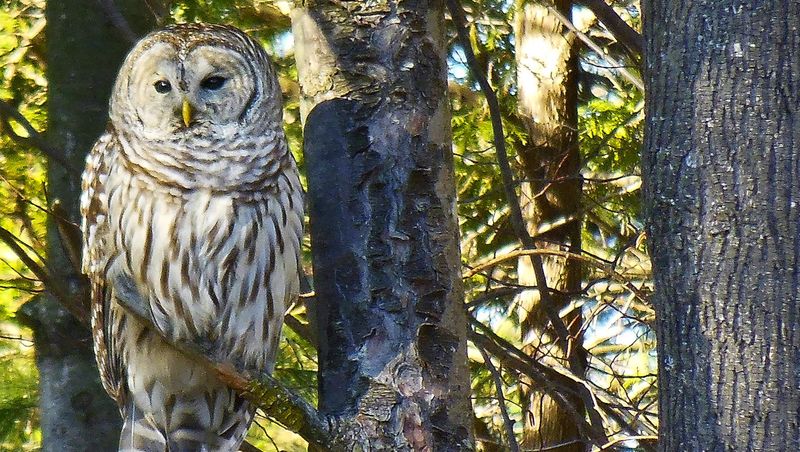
80 68
597 223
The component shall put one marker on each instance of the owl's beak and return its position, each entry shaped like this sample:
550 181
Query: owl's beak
186 112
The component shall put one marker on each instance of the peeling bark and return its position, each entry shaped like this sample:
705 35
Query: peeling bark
721 163
392 352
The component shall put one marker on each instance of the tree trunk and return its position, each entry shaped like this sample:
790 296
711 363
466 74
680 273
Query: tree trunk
551 193
721 165
84 51
392 349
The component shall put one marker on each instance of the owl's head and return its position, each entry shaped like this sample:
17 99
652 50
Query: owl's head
200 80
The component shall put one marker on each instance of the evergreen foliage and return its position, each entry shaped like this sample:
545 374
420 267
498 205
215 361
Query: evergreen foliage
614 299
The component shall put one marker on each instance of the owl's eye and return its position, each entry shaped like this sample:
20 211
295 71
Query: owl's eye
162 86
213 83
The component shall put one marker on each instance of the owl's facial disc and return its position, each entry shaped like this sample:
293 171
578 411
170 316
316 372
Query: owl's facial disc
219 84
199 93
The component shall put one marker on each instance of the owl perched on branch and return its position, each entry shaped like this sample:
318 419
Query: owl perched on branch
192 194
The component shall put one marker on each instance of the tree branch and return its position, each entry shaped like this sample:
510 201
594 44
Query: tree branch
517 221
34 139
118 20
277 402
635 80
623 32
71 301
501 400
606 268
558 383
555 384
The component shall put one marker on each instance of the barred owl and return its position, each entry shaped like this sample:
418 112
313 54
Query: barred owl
192 194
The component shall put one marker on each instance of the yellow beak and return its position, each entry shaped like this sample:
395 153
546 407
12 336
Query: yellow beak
186 112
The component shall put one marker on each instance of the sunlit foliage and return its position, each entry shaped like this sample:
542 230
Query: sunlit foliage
22 86
617 280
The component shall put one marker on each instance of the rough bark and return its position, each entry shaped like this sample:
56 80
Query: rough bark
84 51
550 198
392 349
721 163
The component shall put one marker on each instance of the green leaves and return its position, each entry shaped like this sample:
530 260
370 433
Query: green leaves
615 285
21 181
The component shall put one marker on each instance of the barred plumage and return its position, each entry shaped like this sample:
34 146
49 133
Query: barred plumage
204 214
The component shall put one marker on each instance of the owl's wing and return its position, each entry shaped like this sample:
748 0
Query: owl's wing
98 252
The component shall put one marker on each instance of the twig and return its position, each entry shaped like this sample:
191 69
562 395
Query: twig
34 138
610 445
623 32
69 234
71 303
636 81
501 400
118 20
555 381
491 295
278 402
303 330
555 384
517 221
606 268
29 342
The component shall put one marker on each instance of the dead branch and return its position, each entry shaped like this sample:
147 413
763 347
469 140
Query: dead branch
501 400
558 383
559 387
634 79
118 20
606 268
72 302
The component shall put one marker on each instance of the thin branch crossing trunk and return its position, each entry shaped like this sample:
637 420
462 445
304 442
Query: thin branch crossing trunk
546 77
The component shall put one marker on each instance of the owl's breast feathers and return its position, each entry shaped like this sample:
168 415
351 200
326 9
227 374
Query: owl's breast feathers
245 167
213 264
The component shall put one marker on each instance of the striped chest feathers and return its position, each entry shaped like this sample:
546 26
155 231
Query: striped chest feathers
210 265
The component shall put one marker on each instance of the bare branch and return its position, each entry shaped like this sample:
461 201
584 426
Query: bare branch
73 303
606 268
491 295
623 32
303 330
9 114
555 384
118 20
635 80
559 383
69 234
501 400
517 221
611 444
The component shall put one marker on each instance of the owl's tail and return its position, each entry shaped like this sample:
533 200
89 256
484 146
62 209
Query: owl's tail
141 434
